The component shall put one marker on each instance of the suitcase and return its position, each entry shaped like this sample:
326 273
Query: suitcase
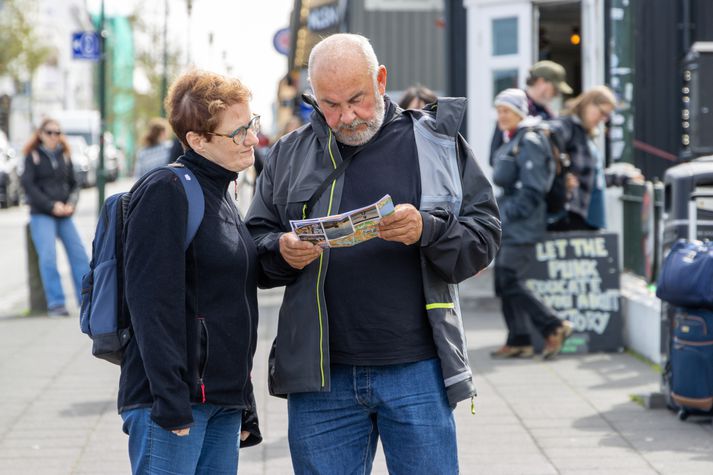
690 367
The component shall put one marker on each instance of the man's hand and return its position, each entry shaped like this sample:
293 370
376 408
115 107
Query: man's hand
182 432
404 225
296 253
244 435
571 182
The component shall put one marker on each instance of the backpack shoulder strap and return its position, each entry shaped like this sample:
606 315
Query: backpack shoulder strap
196 200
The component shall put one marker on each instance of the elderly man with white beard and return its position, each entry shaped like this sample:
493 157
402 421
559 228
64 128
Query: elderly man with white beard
370 342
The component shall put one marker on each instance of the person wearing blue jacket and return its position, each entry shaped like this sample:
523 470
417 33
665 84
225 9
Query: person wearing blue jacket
525 169
185 392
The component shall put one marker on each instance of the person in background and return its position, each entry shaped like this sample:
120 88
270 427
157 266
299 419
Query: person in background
524 168
546 81
156 150
416 97
52 193
185 393
586 182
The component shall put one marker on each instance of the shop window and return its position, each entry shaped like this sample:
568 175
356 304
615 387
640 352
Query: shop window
503 79
504 36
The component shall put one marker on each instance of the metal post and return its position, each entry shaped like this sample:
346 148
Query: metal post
621 79
38 303
102 107
164 79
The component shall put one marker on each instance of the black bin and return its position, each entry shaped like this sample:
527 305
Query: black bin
680 182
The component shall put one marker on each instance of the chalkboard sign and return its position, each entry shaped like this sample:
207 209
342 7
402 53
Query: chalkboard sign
577 274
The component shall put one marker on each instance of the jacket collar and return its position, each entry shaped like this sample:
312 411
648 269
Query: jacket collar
201 165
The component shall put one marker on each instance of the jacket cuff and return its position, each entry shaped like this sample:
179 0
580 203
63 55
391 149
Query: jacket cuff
460 391
432 228
250 424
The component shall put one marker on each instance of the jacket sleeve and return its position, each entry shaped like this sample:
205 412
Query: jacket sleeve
250 423
535 176
460 246
36 197
265 225
155 287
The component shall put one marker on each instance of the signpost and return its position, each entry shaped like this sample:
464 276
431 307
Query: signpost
86 45
281 41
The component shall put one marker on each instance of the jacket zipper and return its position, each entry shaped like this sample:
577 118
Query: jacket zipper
245 292
203 357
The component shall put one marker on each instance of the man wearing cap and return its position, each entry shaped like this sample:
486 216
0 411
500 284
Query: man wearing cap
546 81
524 168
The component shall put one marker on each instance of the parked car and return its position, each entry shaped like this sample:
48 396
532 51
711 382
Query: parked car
84 167
10 189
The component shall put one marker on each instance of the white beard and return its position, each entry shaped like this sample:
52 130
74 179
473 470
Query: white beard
372 126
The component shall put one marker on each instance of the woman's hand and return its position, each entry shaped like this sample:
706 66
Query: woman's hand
244 435
182 432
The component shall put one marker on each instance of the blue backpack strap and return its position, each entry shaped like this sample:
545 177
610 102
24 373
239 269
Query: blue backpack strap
196 201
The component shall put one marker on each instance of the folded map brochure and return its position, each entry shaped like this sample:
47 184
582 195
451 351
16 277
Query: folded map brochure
346 229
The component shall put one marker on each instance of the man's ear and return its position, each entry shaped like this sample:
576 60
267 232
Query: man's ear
195 141
381 79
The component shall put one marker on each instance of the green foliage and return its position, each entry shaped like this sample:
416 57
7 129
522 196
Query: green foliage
149 59
22 50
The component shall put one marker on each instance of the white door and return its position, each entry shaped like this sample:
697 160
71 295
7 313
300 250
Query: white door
500 52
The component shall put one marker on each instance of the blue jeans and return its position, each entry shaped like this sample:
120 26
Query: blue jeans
210 448
336 432
45 230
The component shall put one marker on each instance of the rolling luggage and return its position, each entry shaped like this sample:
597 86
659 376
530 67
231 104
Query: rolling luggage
690 369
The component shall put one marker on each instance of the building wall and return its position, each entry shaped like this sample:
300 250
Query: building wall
411 44
659 49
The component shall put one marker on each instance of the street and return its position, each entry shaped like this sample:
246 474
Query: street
572 415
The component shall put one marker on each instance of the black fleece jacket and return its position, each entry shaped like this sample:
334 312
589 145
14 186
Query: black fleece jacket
48 179
194 313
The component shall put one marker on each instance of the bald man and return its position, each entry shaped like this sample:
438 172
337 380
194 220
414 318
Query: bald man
370 341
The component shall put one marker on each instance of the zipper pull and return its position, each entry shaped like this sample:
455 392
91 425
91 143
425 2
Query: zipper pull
472 405
202 390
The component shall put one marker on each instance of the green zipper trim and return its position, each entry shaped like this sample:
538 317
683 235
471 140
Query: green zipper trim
432 306
319 274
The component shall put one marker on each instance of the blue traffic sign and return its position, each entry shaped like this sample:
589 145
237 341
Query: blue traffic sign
86 45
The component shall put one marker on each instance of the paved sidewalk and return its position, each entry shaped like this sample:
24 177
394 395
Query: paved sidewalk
573 415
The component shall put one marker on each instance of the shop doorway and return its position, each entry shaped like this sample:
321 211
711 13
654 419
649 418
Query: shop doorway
559 31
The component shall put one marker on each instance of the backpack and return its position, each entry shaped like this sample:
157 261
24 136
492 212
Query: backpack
556 197
104 315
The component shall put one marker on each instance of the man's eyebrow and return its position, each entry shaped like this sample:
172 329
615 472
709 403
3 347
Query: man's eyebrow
357 95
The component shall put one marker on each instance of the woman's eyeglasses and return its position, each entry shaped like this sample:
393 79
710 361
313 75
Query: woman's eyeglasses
239 135
56 133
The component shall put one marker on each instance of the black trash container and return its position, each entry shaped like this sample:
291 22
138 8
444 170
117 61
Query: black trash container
680 182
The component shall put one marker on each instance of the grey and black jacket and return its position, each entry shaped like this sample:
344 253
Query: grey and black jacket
461 235
525 169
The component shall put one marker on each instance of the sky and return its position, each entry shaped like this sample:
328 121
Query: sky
242 39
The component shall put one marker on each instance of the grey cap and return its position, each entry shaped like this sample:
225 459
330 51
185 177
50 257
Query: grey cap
552 72
515 99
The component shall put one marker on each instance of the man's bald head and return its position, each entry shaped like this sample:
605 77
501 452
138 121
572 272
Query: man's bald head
342 51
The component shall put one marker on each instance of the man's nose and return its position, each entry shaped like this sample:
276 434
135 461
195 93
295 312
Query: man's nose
347 116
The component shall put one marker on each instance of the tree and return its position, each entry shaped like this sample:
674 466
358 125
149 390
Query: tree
148 44
22 50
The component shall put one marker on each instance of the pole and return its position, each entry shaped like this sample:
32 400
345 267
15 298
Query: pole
189 7
164 79
102 107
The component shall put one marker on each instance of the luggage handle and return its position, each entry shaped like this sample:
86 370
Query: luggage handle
693 213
